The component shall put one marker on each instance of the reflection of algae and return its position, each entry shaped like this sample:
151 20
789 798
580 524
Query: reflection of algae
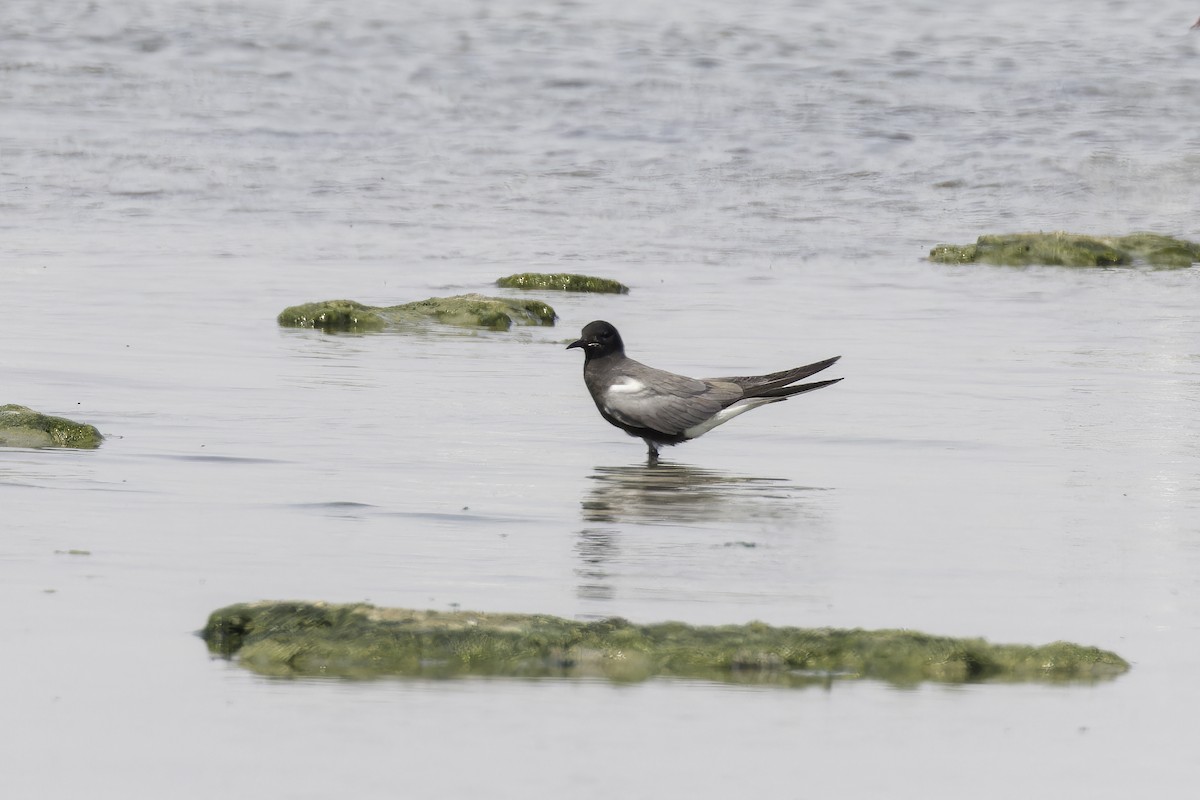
1070 250
563 282
24 427
362 641
464 310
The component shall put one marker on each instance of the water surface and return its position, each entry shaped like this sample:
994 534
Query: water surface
1013 453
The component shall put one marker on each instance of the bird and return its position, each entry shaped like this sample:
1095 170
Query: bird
663 408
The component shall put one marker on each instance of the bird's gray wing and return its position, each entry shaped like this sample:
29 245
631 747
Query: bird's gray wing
754 384
644 397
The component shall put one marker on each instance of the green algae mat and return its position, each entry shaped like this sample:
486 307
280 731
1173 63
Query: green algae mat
293 639
24 427
1071 250
562 282
464 310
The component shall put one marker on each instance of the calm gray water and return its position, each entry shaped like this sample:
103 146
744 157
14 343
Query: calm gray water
1013 454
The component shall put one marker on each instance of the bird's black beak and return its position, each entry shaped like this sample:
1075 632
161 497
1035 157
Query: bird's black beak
576 343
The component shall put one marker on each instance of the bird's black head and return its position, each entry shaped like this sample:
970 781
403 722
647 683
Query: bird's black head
599 339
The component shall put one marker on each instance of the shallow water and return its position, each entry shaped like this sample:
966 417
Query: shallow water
1013 453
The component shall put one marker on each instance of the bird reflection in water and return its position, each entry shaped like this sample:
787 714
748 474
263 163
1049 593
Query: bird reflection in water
595 547
741 509
684 495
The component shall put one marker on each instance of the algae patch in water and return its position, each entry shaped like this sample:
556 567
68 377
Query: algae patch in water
1070 250
563 282
476 310
338 315
296 639
24 427
464 310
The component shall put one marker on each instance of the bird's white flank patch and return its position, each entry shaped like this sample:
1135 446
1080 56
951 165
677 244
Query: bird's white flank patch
726 414
627 385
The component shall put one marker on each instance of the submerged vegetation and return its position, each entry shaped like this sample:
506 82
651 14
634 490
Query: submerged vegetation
1071 250
464 310
24 427
293 639
563 282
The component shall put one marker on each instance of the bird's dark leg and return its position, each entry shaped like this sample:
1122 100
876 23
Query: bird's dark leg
652 455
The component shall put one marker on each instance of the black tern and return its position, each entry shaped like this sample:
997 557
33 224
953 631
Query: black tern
663 408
